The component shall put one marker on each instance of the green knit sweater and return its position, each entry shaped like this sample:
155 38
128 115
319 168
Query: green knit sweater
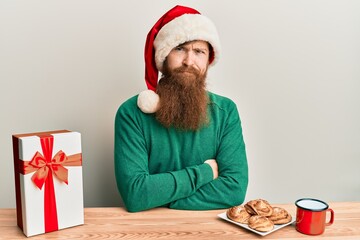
157 166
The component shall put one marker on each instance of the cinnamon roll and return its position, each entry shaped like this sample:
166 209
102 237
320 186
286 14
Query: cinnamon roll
238 214
260 223
280 216
259 207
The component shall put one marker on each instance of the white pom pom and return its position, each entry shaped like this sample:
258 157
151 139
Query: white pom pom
148 101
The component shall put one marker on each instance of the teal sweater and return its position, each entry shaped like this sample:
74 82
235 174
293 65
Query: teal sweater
157 166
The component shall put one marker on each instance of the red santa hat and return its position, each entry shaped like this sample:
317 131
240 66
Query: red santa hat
179 25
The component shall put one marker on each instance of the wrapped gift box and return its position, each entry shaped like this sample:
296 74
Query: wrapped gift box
48 181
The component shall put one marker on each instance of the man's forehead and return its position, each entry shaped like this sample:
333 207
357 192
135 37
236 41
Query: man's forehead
196 43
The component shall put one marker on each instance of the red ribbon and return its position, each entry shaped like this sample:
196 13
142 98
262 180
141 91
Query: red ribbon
45 166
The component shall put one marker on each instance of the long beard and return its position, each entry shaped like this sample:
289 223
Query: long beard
183 99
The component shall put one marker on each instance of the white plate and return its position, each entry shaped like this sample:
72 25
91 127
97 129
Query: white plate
276 227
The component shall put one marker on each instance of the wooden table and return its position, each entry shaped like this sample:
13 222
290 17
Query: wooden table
163 223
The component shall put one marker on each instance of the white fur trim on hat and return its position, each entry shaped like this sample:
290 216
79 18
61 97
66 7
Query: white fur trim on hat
148 101
187 27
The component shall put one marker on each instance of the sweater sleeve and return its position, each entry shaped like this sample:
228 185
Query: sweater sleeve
139 189
230 187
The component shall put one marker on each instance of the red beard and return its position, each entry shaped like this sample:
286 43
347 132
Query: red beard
183 99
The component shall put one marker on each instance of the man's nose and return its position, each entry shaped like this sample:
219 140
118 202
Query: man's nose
189 59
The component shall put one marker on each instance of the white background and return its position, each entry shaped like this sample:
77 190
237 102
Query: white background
292 67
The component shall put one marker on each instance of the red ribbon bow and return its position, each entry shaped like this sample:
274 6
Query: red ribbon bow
46 166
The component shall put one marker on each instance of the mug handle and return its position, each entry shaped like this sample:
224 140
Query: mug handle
331 217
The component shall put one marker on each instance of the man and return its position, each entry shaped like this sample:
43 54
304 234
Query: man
176 144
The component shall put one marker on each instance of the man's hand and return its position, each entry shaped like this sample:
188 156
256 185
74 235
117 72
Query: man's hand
214 166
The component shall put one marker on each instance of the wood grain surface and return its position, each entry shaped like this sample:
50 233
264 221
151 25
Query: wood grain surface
163 223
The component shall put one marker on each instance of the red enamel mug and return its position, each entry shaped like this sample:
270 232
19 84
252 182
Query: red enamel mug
311 216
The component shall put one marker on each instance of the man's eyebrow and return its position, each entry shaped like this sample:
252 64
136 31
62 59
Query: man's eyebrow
196 47
202 49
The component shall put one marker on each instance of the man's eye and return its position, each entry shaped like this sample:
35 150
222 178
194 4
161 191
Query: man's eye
179 48
199 51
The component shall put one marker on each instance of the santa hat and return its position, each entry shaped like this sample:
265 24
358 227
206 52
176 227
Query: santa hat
177 26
